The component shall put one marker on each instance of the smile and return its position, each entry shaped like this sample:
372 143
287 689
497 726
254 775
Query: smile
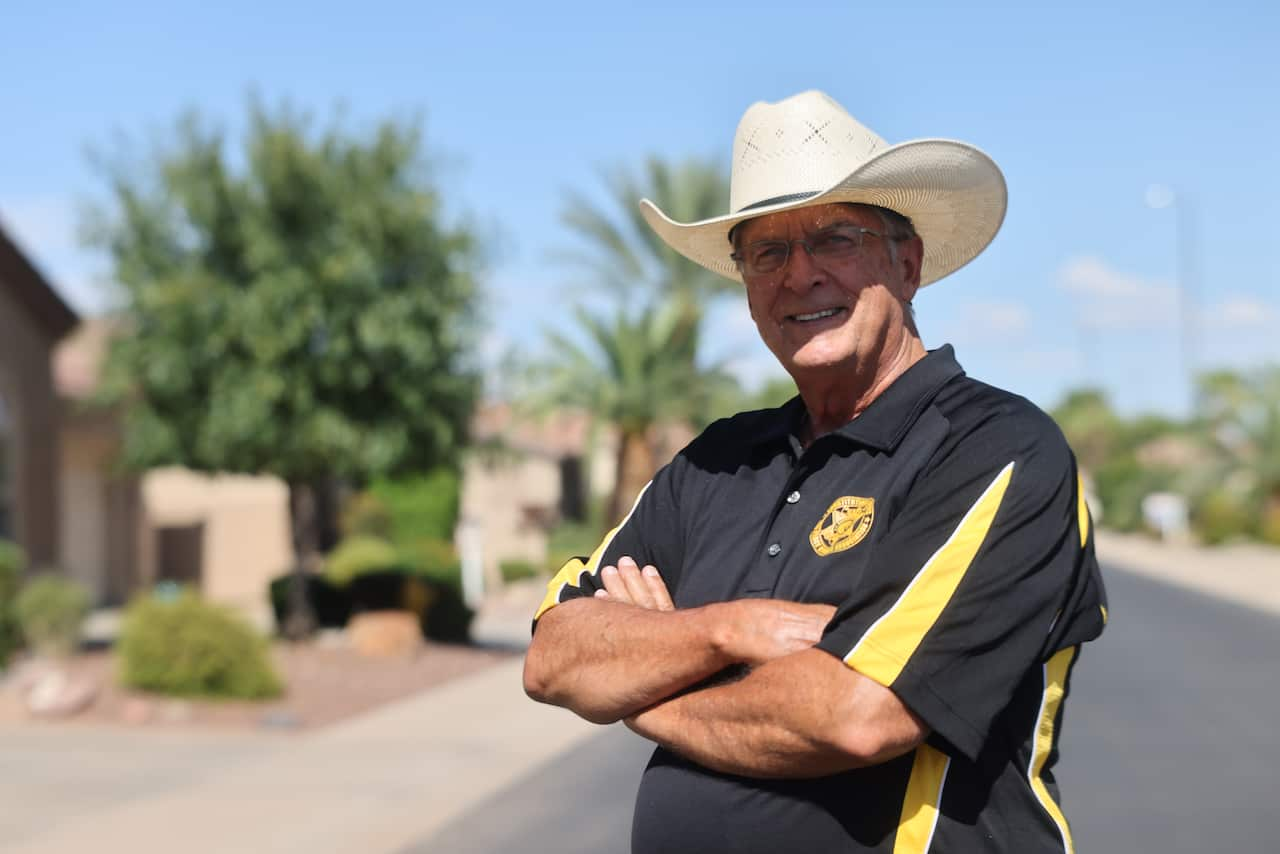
817 315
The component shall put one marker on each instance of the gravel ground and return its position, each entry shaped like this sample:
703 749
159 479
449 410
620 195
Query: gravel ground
325 682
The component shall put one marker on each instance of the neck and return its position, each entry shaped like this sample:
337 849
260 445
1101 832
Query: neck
834 398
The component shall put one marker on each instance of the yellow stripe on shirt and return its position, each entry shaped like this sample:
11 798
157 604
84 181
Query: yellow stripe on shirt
570 575
1082 509
884 649
1055 682
923 802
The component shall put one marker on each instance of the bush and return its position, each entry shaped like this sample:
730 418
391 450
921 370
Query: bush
13 560
329 604
1221 516
434 559
365 514
49 610
423 506
186 647
518 570
1269 522
359 555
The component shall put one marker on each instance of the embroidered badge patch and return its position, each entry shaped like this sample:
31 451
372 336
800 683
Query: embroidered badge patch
844 525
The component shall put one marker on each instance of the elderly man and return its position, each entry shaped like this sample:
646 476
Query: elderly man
849 623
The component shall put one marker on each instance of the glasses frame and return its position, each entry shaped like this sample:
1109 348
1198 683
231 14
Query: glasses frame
740 259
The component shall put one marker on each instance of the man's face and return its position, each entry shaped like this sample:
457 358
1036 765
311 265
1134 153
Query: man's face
817 314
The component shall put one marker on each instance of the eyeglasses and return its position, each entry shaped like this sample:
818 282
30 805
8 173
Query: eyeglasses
837 244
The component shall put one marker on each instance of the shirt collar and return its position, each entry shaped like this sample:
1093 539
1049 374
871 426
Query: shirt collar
884 423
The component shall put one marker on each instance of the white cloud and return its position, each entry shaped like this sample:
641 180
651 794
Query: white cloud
1005 319
1107 298
1243 312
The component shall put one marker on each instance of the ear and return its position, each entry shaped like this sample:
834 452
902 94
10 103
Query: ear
910 257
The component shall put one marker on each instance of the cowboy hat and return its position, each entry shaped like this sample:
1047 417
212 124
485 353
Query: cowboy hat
807 150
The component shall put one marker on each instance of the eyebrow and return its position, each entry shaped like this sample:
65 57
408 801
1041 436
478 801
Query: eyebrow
826 227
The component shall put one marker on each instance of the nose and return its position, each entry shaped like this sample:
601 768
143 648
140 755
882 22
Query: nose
802 272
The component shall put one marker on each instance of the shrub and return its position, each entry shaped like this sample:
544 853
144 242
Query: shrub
187 647
433 558
329 604
13 560
50 610
518 570
1221 516
359 555
1269 522
422 506
365 514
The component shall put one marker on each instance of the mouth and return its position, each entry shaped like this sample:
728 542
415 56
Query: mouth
815 316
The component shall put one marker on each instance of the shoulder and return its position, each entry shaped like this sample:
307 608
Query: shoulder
995 425
734 439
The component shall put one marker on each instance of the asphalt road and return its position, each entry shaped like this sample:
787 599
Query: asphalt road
1168 745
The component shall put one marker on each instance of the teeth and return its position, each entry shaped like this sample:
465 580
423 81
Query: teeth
817 314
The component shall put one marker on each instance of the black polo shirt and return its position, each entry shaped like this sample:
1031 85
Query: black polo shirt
948 526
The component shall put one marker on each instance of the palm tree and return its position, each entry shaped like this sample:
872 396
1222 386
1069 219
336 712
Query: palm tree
633 371
620 253
640 367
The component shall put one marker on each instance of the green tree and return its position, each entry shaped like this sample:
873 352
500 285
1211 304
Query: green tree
1091 426
1239 425
633 371
295 305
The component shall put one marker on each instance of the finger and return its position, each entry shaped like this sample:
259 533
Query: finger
602 594
658 588
636 586
613 585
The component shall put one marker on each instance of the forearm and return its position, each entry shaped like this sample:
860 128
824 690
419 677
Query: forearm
604 660
805 715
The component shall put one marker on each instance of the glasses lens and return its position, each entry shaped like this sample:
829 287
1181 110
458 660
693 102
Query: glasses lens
767 256
837 243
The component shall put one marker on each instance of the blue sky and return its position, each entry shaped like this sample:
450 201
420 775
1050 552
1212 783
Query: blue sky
1084 106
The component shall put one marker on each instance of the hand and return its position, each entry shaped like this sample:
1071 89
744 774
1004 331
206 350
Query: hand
630 585
759 630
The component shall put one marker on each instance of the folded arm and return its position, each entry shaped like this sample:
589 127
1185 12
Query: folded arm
611 656
803 715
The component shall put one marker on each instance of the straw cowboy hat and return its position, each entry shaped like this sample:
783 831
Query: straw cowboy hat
806 150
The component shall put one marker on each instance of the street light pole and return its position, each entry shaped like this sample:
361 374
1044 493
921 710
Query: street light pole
1160 196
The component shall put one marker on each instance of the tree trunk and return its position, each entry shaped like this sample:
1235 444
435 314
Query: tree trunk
305 523
635 468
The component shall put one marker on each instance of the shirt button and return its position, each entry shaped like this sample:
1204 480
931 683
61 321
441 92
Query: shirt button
774 550
793 498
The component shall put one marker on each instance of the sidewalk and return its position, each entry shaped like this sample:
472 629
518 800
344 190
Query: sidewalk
373 784
1245 574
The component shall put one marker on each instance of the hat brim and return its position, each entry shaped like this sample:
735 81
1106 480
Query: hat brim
954 194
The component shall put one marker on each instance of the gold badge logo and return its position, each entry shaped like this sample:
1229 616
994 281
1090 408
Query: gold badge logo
844 525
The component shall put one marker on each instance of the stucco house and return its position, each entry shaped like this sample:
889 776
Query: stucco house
33 318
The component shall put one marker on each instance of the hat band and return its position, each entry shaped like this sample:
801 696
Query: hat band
777 200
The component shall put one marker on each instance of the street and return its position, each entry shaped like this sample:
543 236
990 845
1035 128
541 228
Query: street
1168 745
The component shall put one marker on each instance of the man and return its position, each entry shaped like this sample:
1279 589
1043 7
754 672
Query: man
848 623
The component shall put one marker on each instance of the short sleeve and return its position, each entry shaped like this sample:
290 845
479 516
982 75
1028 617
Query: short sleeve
966 587
650 533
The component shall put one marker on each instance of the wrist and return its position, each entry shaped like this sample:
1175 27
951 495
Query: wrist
721 625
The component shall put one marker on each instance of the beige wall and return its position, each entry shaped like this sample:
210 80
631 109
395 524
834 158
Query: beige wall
504 500
245 537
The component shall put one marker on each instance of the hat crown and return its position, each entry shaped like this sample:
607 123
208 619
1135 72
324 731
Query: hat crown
795 147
